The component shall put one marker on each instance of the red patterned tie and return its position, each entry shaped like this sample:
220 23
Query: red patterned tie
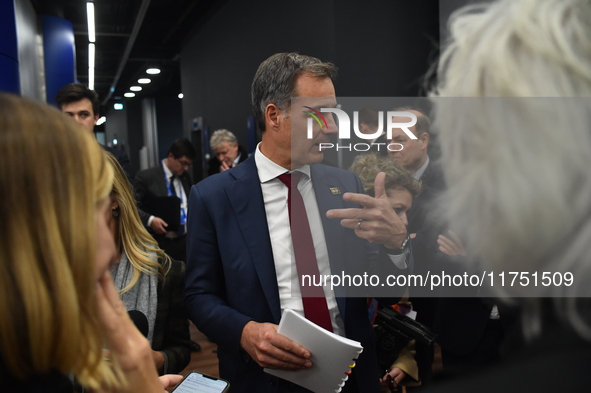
315 307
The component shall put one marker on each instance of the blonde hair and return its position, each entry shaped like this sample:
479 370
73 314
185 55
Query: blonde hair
518 169
52 176
368 166
523 48
139 246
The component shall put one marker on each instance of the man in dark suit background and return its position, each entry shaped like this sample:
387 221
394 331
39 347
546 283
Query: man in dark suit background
169 178
240 267
82 104
414 158
227 153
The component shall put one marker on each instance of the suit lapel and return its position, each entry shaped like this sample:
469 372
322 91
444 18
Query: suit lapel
333 231
160 181
186 182
246 198
327 200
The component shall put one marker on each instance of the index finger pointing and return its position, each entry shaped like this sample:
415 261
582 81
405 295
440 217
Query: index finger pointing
360 199
345 213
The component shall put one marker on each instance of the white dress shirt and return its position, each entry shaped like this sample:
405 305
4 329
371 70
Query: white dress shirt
275 195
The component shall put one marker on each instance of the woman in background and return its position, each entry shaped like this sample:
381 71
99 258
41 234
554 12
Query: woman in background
401 188
150 283
58 303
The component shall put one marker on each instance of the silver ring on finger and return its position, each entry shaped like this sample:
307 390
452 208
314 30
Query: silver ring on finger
359 224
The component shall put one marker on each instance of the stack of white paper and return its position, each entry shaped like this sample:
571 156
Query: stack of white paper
331 354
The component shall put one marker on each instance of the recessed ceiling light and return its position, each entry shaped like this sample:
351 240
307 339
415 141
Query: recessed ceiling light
118 106
101 120
129 95
143 81
153 71
135 88
181 95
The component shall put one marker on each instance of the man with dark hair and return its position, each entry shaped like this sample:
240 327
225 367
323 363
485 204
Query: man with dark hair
247 249
82 104
168 179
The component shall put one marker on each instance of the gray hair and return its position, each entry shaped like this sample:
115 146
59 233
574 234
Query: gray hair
519 188
275 81
221 136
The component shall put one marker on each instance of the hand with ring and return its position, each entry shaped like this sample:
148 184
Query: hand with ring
391 380
381 224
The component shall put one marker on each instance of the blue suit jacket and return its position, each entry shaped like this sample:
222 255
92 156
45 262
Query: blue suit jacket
230 276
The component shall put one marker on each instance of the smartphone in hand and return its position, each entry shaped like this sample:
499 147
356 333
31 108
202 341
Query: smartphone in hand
195 382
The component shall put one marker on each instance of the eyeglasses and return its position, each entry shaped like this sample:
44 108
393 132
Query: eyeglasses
185 163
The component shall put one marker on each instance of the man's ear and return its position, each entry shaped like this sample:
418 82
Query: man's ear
96 117
424 138
273 117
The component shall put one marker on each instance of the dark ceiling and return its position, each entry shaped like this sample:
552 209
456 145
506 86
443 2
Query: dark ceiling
131 36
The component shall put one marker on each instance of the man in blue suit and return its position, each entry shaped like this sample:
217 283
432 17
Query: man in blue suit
241 270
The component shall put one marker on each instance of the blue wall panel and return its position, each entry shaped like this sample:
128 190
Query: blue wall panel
60 59
9 78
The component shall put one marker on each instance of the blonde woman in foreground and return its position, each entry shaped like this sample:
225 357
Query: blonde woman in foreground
59 305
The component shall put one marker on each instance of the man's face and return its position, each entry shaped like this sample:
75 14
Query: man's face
414 152
401 201
227 152
318 92
178 166
82 112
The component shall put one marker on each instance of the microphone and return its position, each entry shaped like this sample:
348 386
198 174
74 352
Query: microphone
140 320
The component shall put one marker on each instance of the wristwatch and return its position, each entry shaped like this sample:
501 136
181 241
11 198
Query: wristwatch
403 247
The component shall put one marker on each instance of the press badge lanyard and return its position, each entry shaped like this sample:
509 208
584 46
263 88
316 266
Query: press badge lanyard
180 195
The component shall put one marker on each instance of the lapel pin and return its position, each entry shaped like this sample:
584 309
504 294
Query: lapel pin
335 191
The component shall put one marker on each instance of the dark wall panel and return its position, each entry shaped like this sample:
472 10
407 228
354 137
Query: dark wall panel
9 73
135 135
219 62
169 116
382 48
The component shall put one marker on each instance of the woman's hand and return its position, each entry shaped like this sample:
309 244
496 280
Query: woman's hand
169 381
452 245
392 379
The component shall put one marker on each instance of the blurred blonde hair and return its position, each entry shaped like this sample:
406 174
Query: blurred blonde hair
52 176
368 166
518 169
139 246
